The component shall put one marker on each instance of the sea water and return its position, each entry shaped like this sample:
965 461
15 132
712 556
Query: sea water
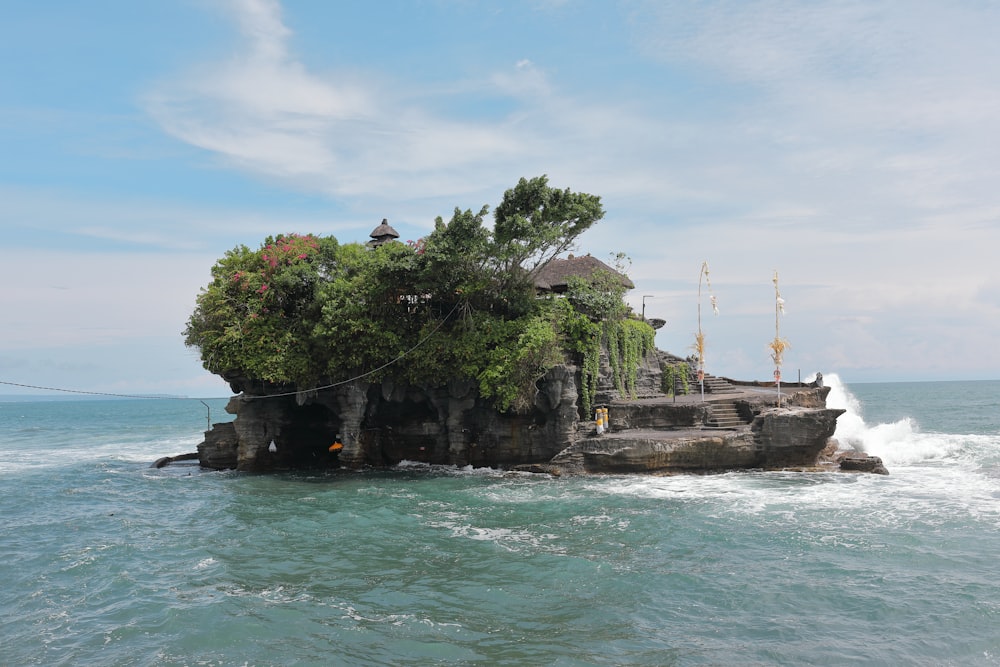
107 561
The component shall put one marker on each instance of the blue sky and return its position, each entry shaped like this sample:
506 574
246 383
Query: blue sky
854 147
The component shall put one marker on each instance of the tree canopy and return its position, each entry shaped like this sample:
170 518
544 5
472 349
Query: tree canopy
304 310
535 223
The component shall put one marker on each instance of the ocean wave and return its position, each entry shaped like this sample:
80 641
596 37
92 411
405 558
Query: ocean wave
467 470
86 451
292 595
902 442
509 539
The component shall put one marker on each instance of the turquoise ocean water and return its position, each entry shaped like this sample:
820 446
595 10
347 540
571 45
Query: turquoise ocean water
106 561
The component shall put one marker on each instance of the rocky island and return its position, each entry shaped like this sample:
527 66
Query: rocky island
382 424
473 347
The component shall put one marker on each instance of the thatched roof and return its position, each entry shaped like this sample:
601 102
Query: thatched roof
554 276
383 233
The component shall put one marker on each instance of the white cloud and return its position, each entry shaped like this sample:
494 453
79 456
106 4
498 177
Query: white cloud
849 89
260 21
264 112
150 224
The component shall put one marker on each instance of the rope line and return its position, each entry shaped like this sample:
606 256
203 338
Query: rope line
92 393
290 393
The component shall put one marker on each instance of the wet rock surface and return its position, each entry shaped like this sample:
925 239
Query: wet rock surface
863 463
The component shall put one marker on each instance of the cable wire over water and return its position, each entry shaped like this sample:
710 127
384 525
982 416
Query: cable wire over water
289 393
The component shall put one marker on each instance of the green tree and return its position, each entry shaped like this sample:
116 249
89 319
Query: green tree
600 296
454 259
535 223
257 314
364 318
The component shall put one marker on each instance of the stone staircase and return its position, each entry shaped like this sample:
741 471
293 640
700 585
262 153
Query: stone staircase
714 385
723 415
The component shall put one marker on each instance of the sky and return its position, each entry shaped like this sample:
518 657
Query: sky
851 147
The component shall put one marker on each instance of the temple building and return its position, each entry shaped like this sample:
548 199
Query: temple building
554 276
382 234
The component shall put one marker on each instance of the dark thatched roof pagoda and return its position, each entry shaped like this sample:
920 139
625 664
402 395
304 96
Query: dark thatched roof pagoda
382 234
554 276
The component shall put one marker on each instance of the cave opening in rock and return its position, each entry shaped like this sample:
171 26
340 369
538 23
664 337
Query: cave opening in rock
408 430
310 436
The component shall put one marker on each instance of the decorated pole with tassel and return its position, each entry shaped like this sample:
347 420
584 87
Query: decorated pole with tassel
699 339
779 344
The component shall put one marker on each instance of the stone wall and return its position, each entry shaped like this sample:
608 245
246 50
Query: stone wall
383 424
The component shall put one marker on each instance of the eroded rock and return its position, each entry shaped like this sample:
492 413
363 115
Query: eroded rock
863 463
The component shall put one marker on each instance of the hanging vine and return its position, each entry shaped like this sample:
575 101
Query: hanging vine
581 336
628 341
613 343
675 374
591 370
593 317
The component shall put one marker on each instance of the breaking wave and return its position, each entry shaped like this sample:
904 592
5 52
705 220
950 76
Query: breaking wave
899 442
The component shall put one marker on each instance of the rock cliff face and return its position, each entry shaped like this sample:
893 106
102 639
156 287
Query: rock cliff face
383 424
660 436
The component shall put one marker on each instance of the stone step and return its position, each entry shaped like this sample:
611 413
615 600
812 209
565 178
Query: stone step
724 415
713 385
736 423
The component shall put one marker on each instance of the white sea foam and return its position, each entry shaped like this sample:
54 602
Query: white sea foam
407 464
61 454
934 477
603 521
205 563
509 539
896 443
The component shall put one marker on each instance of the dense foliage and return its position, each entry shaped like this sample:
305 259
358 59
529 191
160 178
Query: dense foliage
676 379
304 310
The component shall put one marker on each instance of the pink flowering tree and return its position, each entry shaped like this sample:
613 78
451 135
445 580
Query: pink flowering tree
257 314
